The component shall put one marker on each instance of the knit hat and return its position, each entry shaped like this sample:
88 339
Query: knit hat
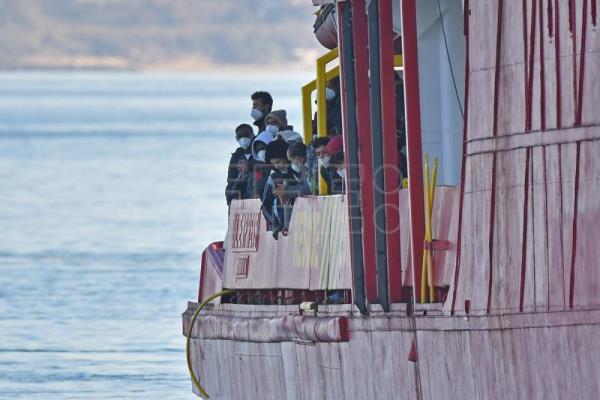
296 149
276 149
290 136
279 115
335 145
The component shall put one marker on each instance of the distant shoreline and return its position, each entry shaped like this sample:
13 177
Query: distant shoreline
225 69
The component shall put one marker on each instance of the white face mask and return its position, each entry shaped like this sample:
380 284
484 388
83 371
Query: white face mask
296 168
245 142
324 162
341 172
261 155
256 114
329 94
272 129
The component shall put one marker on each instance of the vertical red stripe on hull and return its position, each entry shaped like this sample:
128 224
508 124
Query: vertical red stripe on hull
361 60
415 154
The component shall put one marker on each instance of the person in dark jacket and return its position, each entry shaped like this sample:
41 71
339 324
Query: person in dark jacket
337 173
314 153
276 121
260 167
296 155
272 203
333 181
239 165
334 110
262 103
400 125
283 186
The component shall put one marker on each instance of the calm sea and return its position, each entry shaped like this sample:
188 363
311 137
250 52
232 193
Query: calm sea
111 184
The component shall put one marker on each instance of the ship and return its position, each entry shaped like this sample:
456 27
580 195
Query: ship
481 281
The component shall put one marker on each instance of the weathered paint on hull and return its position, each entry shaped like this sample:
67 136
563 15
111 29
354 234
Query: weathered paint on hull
544 355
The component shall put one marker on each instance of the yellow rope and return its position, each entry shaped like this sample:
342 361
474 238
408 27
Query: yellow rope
189 335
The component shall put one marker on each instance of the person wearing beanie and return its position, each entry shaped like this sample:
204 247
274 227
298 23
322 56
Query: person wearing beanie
276 121
276 155
334 145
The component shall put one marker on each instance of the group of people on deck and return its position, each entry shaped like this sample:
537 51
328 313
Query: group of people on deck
276 166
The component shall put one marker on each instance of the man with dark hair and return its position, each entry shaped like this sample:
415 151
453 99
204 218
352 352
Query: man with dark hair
240 165
262 104
316 151
327 172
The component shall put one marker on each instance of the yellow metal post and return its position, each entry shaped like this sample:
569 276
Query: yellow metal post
424 269
430 266
321 85
307 110
398 60
322 102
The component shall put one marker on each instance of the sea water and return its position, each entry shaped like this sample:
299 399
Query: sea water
111 185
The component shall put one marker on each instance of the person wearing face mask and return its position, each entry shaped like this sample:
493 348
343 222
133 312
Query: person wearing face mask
276 122
262 103
296 155
260 167
338 180
329 173
314 153
239 165
274 203
334 109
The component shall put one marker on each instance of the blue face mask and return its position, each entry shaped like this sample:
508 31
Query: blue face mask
245 142
272 129
329 94
296 167
256 114
261 155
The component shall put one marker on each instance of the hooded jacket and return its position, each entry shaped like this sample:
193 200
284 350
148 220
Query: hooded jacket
264 137
260 170
278 211
290 136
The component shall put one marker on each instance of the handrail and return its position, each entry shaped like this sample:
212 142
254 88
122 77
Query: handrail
307 105
319 84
